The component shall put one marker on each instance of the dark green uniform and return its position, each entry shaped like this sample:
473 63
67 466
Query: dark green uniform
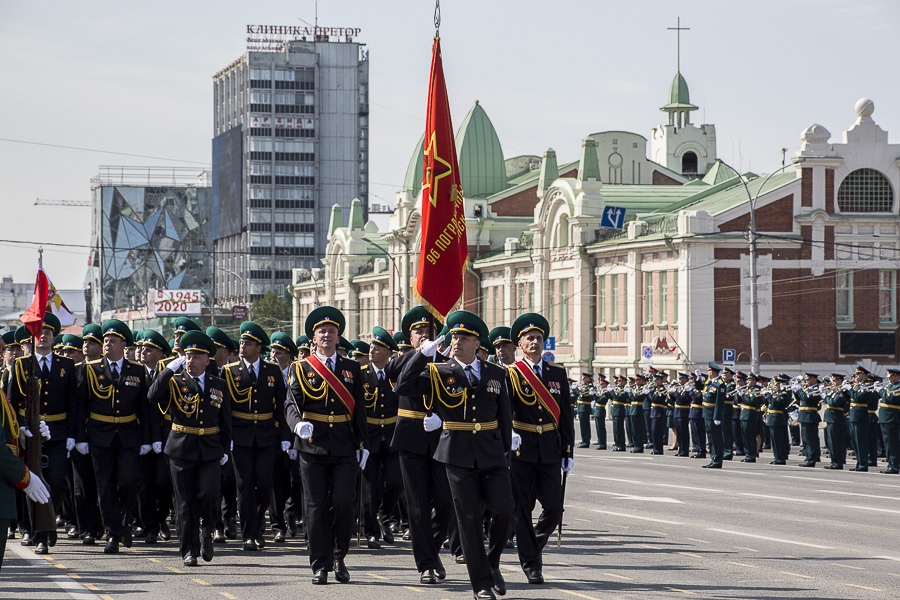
751 399
604 396
837 404
617 413
861 396
889 419
586 395
809 399
777 422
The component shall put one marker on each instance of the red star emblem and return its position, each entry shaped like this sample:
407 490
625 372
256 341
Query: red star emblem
438 169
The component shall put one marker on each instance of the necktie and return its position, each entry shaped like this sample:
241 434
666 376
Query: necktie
470 373
252 371
330 363
199 385
114 371
45 367
380 376
537 370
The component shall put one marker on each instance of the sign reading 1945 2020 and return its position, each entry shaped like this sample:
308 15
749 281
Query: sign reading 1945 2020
184 303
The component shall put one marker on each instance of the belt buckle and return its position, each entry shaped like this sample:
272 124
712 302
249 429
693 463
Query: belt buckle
331 418
201 431
476 427
381 422
539 429
115 419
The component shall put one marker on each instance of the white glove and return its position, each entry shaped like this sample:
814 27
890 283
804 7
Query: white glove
70 444
593 404
432 422
698 373
740 393
430 347
304 430
717 422
45 431
176 365
24 433
37 491
292 454
627 389
796 387
145 449
157 447
846 387
362 457
516 441
567 464
82 448
285 446
223 460
446 351
877 387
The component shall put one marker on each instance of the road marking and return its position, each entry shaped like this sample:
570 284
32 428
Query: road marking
688 487
746 548
871 589
229 596
618 576
154 560
411 588
577 595
886 510
656 532
856 494
816 479
741 473
60 566
771 539
701 541
692 555
619 526
73 589
615 514
201 582
743 565
582 520
105 597
777 498
849 567
92 587
660 499
377 576
886 558
174 570
649 547
74 575
796 575
682 591
613 479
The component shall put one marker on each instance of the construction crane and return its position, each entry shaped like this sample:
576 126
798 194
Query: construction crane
46 202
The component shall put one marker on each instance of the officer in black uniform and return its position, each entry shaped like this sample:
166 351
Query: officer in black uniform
286 485
325 409
543 436
256 392
472 407
713 414
698 424
837 405
809 398
87 508
226 509
114 427
199 441
604 396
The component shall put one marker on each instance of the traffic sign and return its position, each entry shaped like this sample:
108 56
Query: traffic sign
728 356
647 353
239 313
613 217
550 343
548 356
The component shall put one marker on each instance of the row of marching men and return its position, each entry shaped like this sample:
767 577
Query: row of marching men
428 418
736 414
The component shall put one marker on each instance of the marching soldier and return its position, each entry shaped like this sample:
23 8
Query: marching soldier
87 509
325 409
617 413
678 393
198 444
837 405
604 396
586 395
114 427
889 418
226 509
543 436
286 482
503 346
256 393
471 402
776 419
636 412
713 414
751 400
859 418
809 398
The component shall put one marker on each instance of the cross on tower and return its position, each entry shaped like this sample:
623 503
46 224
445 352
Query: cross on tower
679 29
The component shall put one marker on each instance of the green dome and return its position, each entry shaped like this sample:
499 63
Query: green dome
481 163
679 96
414 172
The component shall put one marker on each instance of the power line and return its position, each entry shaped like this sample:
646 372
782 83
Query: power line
206 164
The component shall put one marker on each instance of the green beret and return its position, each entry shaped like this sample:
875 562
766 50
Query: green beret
154 339
302 341
499 335
381 337
252 331
219 338
51 321
463 321
321 316
529 322
416 317
183 325
72 342
359 347
197 341
9 338
22 335
119 329
345 345
283 341
92 332
401 340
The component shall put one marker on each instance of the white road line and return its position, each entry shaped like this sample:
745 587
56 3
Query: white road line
734 472
857 494
885 510
771 539
613 479
777 498
72 588
606 512
688 487
662 499
817 479
887 558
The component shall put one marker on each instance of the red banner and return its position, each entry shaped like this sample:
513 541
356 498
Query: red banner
444 253
33 319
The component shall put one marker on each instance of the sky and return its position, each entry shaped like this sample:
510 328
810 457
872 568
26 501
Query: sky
131 79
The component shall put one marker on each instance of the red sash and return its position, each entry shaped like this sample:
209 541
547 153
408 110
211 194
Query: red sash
543 394
333 382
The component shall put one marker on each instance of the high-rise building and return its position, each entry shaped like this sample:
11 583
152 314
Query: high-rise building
290 140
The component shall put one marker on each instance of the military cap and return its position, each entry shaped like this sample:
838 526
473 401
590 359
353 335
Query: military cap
22 334
72 342
57 342
401 340
763 379
587 375
876 378
740 375
529 322
219 338
284 341
862 369
463 321
783 378
484 343
197 341
713 366
445 331
252 331
498 335
728 370
9 338
154 339
51 321
302 341
119 329
360 348
683 374
660 375
183 325
893 371
816 375
752 375
622 377
381 337
172 344
416 317
92 332
641 375
839 375
322 316
345 345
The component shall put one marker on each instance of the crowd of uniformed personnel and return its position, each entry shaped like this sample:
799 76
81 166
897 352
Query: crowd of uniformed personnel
436 433
728 413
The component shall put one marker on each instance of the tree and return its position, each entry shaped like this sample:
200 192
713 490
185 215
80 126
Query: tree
272 311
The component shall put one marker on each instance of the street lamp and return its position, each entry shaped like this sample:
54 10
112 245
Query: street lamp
400 296
246 289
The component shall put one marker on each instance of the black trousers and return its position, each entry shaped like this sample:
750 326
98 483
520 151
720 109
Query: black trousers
716 442
226 509
629 430
254 469
727 435
874 436
474 491
891 434
600 425
584 423
737 434
836 441
658 432
778 434
4 526
859 435
54 475
809 433
748 432
618 427
117 472
382 485
698 435
535 482
87 510
281 488
329 497
196 486
154 491
683 433
639 436
293 507
425 487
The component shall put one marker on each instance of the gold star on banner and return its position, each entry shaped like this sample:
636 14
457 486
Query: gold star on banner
439 169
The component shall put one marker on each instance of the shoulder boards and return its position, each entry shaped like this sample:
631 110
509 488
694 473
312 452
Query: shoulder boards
135 363
363 367
94 362
230 365
555 366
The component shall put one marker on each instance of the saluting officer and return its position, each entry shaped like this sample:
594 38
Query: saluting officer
889 418
114 427
198 444
543 436
325 409
713 413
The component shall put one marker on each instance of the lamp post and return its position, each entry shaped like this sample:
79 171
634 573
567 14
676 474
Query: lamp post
401 297
246 289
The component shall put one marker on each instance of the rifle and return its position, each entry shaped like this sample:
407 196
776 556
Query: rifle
42 516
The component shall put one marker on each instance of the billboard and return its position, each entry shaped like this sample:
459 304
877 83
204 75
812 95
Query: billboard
227 188
181 303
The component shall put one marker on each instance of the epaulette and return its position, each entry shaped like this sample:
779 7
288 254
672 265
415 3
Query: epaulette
556 366
234 364
135 363
94 362
361 367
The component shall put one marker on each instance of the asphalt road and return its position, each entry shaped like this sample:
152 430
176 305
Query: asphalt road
636 526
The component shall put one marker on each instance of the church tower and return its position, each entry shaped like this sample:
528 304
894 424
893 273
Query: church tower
680 145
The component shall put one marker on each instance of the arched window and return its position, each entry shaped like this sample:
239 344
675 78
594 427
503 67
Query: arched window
689 163
865 191
562 232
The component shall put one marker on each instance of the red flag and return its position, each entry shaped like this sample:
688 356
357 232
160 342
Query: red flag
444 253
33 319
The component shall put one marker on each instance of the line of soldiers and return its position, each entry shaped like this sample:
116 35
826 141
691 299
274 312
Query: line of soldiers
420 427
731 413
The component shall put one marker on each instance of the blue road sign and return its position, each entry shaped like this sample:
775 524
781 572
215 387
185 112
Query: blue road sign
550 343
548 356
648 352
728 355
613 217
